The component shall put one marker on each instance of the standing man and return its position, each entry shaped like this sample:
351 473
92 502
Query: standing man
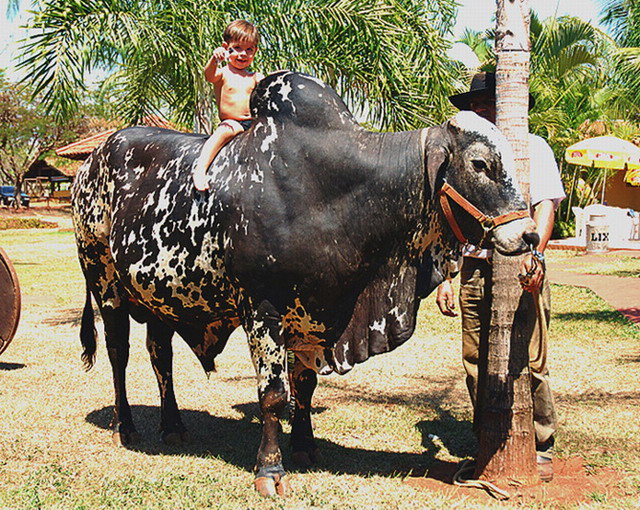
475 286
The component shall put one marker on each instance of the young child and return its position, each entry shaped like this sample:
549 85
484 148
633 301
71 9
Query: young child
233 85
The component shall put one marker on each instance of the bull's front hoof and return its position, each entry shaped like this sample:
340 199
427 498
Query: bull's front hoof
175 438
269 487
123 438
306 459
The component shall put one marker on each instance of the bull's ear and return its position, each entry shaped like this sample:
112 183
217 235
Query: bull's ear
436 154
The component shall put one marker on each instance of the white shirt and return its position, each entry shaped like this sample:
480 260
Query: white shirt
544 175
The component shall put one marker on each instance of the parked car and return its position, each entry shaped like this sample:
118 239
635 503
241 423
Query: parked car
7 196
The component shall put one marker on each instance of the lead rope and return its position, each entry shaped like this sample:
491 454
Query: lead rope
536 259
468 466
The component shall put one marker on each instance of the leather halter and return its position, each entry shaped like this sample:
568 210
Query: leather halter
488 223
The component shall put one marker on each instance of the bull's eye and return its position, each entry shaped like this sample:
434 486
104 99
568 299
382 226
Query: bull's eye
479 165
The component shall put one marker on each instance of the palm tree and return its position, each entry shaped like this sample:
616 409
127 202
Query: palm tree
571 66
622 17
507 448
568 75
386 57
481 42
568 70
579 80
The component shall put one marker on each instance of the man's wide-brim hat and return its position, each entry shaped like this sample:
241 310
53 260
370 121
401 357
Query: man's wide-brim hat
481 84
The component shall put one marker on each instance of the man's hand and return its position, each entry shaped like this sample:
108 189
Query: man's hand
446 300
534 282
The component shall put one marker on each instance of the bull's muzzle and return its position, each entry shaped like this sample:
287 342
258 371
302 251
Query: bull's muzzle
515 237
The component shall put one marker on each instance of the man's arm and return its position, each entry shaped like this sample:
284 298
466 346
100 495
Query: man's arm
543 214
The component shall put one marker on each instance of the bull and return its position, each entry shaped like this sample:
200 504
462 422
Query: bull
317 237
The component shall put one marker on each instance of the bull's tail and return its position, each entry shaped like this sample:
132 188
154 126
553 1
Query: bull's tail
88 333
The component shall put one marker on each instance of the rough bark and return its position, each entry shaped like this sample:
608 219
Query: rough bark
202 119
507 438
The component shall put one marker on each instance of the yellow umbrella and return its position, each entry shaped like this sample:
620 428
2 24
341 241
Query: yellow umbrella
632 177
604 152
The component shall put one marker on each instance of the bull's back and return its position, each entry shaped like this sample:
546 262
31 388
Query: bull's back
140 156
165 238
129 160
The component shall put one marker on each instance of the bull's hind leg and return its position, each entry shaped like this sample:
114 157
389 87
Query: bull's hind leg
303 444
116 332
269 360
97 265
159 336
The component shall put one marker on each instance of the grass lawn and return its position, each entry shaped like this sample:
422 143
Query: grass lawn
382 424
626 267
611 265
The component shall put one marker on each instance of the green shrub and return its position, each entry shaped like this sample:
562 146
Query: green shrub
9 223
563 229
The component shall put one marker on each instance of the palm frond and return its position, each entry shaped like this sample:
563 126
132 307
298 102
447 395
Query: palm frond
385 56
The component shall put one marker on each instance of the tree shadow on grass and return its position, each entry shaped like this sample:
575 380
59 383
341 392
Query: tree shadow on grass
66 317
628 359
456 436
236 441
446 431
595 316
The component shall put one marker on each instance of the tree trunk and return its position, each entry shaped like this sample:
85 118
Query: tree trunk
202 120
17 202
507 453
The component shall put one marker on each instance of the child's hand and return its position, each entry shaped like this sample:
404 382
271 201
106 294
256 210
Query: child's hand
220 54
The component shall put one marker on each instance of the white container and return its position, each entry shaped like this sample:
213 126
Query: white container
597 234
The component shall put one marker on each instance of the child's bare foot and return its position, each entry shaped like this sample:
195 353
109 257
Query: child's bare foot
200 180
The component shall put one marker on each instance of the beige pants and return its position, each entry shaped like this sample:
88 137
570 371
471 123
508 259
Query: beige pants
475 305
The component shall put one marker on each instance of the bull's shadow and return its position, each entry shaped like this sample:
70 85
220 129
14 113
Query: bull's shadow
11 366
236 441
67 317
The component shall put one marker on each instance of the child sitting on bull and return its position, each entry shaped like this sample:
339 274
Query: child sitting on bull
233 85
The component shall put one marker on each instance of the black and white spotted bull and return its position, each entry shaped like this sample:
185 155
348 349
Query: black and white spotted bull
317 237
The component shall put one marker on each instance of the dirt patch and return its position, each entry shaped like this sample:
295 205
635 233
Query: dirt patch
573 483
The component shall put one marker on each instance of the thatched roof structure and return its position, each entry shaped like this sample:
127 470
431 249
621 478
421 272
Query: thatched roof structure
42 168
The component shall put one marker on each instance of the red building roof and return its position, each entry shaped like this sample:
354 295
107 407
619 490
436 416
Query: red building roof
82 148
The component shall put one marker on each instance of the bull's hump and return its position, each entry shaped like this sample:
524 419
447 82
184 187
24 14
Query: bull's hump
304 100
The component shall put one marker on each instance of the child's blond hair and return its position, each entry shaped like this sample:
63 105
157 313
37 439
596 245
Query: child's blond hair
241 31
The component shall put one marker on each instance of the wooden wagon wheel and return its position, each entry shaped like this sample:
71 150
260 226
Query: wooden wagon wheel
9 301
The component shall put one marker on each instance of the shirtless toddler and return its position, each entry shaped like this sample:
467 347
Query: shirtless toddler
233 85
